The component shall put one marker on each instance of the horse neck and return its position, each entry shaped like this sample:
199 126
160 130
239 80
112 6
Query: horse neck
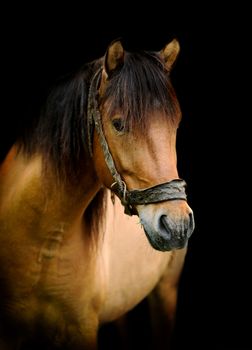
62 201
77 195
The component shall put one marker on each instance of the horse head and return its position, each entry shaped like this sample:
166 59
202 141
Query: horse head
136 114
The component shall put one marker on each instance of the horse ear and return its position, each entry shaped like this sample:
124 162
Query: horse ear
170 53
114 57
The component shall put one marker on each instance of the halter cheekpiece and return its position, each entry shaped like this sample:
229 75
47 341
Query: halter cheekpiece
171 190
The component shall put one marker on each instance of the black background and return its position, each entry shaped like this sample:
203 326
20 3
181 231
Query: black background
40 44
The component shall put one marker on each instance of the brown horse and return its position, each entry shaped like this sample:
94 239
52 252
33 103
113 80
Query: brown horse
71 259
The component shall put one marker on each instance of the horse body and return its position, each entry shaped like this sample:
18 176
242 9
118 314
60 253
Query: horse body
63 270
49 273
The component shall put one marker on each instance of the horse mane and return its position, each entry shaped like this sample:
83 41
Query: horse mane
60 133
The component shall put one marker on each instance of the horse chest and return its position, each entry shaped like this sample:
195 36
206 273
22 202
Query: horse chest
131 266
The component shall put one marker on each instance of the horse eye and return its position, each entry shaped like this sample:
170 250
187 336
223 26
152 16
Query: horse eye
118 124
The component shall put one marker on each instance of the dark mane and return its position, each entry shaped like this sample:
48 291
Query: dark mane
60 134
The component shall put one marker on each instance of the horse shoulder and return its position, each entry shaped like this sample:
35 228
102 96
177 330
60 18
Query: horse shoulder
42 255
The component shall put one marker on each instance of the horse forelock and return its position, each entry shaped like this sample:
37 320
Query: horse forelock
141 87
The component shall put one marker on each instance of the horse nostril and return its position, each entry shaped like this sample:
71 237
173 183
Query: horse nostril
164 226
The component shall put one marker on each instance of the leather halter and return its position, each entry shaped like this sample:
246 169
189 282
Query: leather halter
171 190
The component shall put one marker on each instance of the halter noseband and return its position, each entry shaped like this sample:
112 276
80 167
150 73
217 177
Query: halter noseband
171 190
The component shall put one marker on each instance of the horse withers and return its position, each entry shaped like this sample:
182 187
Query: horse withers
93 214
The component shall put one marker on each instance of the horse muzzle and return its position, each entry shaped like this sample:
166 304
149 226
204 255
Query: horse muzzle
169 227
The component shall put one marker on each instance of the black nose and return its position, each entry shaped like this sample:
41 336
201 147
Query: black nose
173 228
164 226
